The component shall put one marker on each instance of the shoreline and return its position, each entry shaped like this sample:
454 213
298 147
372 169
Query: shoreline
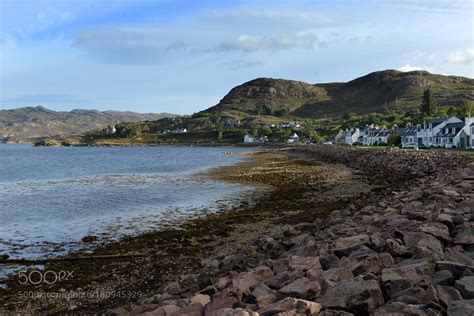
207 255
219 225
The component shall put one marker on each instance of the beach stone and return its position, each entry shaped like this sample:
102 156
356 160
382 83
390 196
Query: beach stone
164 310
332 312
300 288
344 246
264 301
465 236
218 303
400 309
357 296
450 193
252 277
461 308
193 309
331 277
304 263
443 295
174 288
438 230
443 277
281 278
466 287
406 274
201 298
298 306
456 268
236 312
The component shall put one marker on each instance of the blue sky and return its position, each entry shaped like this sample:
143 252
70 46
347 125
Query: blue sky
184 56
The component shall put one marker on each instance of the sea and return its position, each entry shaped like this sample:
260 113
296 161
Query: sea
51 198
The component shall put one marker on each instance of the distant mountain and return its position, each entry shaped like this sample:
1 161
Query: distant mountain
375 92
33 122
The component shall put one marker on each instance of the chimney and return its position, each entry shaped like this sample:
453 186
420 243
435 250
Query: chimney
468 121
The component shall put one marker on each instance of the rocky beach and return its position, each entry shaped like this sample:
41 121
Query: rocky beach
336 231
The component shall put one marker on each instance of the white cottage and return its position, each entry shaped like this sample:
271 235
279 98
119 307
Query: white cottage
249 139
293 139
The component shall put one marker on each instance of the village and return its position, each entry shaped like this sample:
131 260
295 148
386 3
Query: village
449 132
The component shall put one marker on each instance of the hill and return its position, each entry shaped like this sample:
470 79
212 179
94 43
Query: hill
376 92
24 124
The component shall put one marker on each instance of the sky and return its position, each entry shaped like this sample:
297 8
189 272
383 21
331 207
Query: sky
182 56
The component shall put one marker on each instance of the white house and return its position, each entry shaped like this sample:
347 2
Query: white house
293 139
426 132
442 132
348 136
179 131
249 139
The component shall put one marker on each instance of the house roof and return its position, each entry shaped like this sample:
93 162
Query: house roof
409 131
455 125
437 121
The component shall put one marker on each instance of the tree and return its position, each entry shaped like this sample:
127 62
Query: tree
467 109
428 104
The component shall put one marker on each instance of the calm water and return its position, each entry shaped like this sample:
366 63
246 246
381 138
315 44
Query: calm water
50 198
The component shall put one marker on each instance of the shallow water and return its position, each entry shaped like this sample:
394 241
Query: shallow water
50 198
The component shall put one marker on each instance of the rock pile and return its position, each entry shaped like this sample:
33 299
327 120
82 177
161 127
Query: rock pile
409 253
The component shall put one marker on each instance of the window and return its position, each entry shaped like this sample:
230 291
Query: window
450 139
431 126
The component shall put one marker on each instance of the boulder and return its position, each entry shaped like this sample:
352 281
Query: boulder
400 309
443 277
193 309
236 312
163 310
465 236
406 274
442 295
218 303
436 229
304 263
201 298
298 306
344 246
300 288
466 287
360 297
456 268
461 308
242 283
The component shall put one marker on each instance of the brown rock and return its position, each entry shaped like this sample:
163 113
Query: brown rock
357 296
466 287
194 309
465 236
442 295
300 288
456 268
344 246
406 274
461 308
438 230
164 310
292 304
236 312
218 303
201 298
401 309
304 263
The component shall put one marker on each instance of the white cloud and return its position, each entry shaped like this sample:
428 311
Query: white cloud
461 57
251 43
408 67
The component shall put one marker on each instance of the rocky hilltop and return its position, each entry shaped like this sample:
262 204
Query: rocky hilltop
375 92
24 124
